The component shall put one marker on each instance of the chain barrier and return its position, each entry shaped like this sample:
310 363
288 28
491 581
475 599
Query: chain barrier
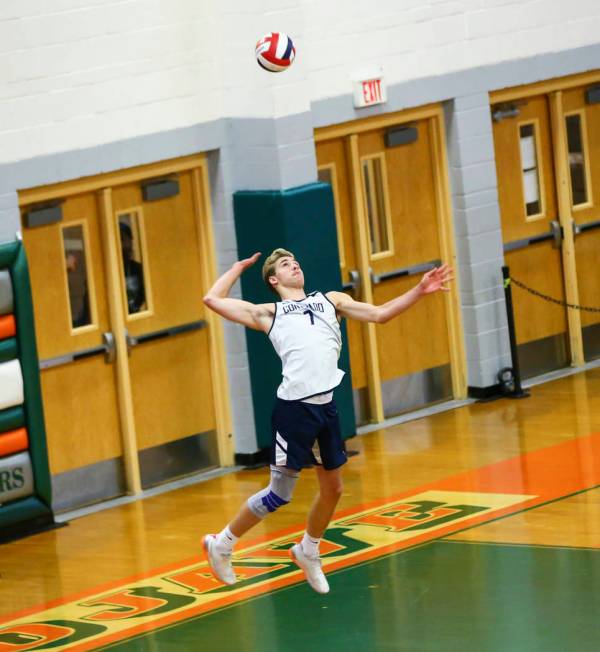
546 297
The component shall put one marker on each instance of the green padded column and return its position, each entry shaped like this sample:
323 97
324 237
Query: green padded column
26 510
301 220
8 253
31 377
8 349
12 418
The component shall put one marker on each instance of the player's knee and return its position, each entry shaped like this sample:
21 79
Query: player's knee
276 495
333 489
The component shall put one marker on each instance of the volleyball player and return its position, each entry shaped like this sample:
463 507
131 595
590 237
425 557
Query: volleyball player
305 332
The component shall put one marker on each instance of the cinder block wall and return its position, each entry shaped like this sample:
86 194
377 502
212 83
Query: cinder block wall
413 39
77 73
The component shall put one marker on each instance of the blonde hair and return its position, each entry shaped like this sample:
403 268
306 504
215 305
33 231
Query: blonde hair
269 265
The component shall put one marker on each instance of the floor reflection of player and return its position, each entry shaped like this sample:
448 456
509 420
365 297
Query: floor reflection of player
133 270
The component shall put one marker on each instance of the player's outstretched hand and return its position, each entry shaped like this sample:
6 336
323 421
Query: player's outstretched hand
247 262
436 279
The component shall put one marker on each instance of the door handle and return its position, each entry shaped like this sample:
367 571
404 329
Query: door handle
110 351
557 234
354 285
131 342
578 229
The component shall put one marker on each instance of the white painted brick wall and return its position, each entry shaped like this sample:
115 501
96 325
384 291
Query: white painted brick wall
417 39
78 73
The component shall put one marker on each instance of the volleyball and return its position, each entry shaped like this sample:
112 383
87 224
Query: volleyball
275 52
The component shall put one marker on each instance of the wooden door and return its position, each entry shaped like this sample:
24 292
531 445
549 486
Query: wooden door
119 264
333 169
531 230
389 184
74 338
581 122
170 359
402 213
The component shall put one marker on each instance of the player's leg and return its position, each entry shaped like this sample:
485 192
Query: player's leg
330 455
325 502
306 553
284 475
219 547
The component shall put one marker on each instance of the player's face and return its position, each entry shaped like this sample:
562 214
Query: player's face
288 273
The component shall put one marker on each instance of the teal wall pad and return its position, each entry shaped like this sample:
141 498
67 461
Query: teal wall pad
8 349
12 257
27 510
301 220
12 418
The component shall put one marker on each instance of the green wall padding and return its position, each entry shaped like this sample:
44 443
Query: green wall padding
8 349
32 512
301 220
31 377
26 509
12 418
8 253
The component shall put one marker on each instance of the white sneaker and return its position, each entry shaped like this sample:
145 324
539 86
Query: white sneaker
220 564
311 567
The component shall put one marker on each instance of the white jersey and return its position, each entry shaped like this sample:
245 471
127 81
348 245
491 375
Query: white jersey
306 335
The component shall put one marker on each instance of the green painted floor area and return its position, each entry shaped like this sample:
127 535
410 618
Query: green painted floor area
441 597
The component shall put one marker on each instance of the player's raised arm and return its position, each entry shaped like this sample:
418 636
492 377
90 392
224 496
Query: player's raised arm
433 281
256 316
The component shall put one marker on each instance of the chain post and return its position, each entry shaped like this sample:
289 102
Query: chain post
518 391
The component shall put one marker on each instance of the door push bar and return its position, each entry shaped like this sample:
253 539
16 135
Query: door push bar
354 285
133 341
421 268
587 226
107 348
555 234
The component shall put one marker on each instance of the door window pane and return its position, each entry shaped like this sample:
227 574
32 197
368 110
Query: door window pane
327 174
133 262
576 160
530 170
77 275
375 199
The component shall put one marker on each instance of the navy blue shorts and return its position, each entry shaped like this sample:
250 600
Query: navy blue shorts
305 434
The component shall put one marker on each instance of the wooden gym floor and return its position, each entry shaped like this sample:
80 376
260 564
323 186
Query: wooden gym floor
473 529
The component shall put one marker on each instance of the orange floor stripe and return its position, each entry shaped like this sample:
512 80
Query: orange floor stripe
357 534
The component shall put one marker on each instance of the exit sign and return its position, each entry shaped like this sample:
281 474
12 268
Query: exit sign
369 91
